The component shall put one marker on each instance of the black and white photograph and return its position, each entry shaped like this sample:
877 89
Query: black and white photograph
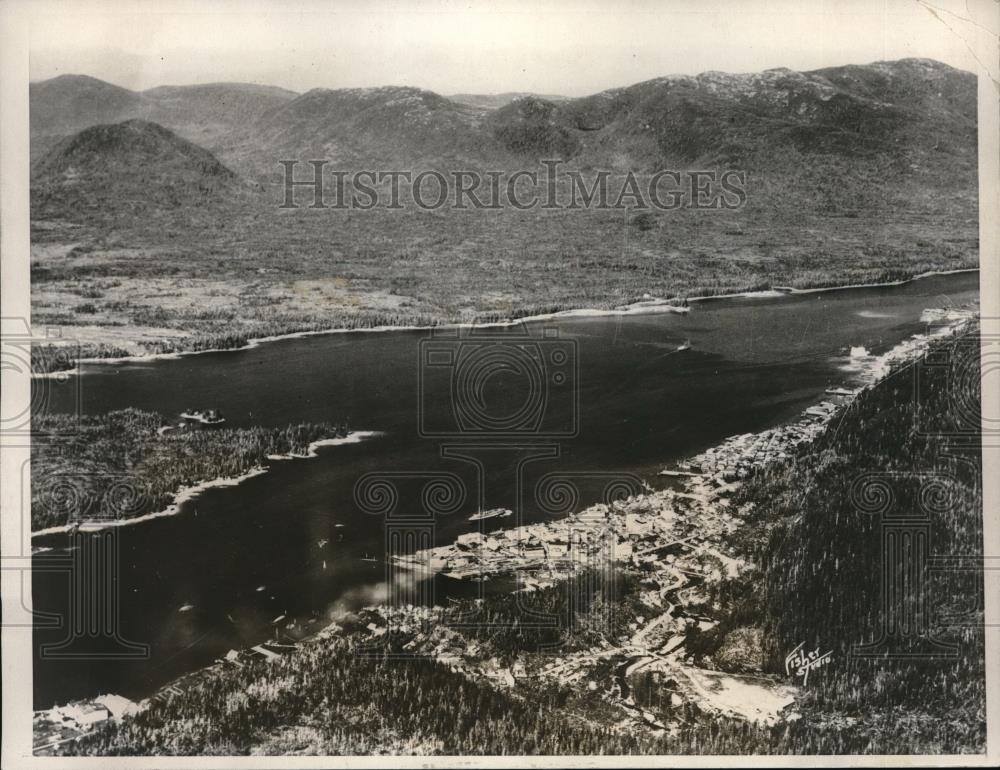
577 383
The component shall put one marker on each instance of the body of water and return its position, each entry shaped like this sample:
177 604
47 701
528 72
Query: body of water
491 417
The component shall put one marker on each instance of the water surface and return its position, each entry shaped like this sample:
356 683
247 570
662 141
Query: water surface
297 530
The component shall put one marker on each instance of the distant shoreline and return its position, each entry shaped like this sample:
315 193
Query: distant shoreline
186 493
650 306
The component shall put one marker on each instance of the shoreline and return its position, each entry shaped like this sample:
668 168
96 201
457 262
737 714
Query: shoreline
704 477
707 477
354 437
184 494
652 306
679 538
901 282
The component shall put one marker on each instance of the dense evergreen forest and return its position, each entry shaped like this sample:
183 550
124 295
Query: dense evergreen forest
813 532
907 449
123 464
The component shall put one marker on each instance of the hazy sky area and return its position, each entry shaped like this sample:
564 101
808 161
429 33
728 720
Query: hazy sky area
569 48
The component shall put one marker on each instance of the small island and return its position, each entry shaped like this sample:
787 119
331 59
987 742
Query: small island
130 463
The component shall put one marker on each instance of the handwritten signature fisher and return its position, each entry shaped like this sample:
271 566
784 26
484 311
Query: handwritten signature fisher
801 662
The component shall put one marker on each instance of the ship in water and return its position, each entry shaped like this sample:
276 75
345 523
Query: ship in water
492 513
208 417
686 345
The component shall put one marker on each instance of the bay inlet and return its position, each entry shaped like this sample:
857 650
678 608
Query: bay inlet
651 389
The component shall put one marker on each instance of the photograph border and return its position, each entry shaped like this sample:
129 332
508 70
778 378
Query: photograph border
15 20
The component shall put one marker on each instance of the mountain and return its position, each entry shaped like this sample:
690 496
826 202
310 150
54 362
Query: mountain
884 136
127 167
496 101
913 113
937 101
205 114
890 108
389 124
66 104
208 114
533 126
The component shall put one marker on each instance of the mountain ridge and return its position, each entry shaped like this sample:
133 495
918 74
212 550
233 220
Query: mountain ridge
851 110
884 137
202 113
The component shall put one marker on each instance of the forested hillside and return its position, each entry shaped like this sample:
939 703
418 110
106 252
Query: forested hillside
909 448
129 462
